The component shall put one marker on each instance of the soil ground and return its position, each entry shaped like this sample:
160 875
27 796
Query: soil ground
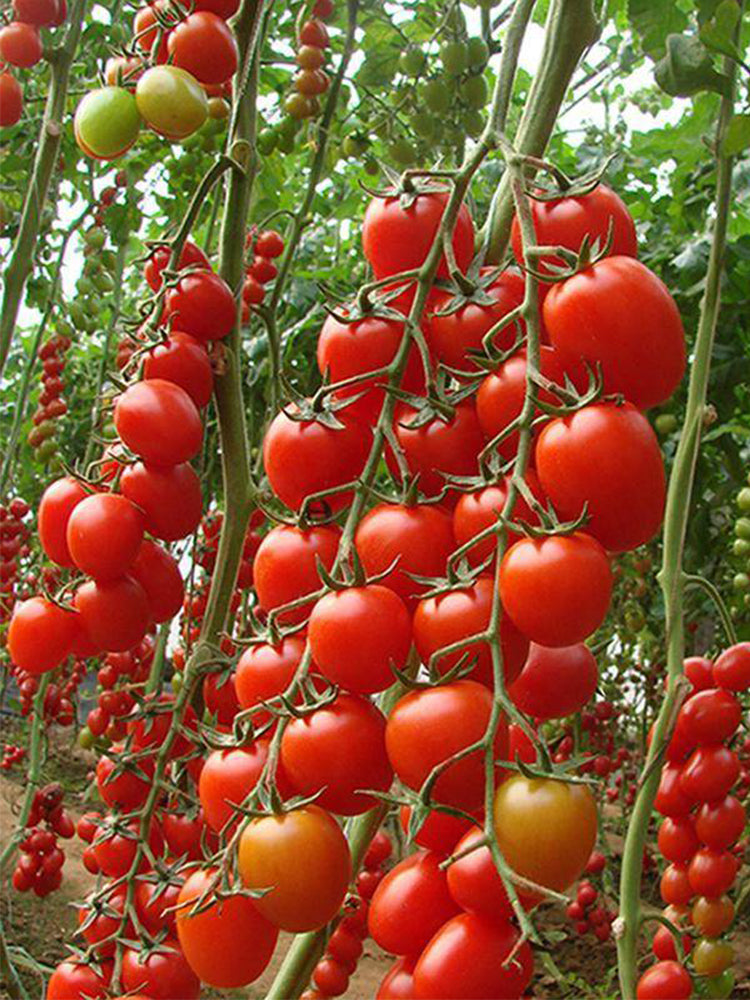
582 969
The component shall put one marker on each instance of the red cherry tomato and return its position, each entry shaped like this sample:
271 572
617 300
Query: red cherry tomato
169 496
104 534
183 360
57 504
665 981
202 305
159 421
285 567
555 683
40 635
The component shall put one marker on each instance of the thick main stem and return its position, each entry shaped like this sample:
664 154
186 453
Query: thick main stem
672 577
21 261
571 29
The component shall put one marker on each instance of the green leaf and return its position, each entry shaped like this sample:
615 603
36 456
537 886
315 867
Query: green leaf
718 33
737 136
687 68
653 21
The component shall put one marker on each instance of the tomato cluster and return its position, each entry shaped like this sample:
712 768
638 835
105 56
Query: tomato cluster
12 754
310 81
177 73
39 866
583 911
51 405
703 820
22 46
14 536
263 248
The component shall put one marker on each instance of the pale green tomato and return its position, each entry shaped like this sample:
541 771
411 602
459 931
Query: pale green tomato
106 122
171 101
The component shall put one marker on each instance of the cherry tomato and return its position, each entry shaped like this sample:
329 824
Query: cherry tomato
107 122
228 776
104 534
439 832
398 982
675 886
475 512
57 504
720 824
220 697
264 671
302 897
169 496
474 882
154 902
410 905
677 839
665 981
302 457
397 238
114 614
466 959
709 773
591 314
202 305
76 981
420 537
357 635
429 725
566 221
456 326
172 103
711 872
443 620
20 44
183 360
313 759
699 671
40 13
711 958
162 975
710 716
40 635
555 682
712 916
285 567
556 590
546 828
732 669
605 458
670 799
159 575
203 45
159 421
11 99
190 256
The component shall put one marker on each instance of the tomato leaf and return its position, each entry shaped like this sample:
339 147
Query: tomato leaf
687 68
737 135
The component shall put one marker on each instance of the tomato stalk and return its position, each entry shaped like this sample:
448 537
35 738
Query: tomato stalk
571 28
672 577
21 261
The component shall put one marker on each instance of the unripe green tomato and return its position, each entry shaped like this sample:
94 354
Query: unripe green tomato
474 123
370 166
85 738
107 122
46 450
285 141
45 430
437 96
333 155
741 547
176 682
423 124
741 581
402 152
85 286
743 499
208 143
478 53
298 106
474 92
455 57
95 237
171 101
711 957
266 141
412 62
635 619
742 528
104 282
355 145
665 423
109 430
721 987
64 328
218 109
78 315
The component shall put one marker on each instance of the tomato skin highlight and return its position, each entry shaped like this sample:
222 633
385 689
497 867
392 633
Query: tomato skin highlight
428 726
556 590
410 905
591 314
546 829
312 758
464 961
555 683
356 635
301 898
40 635
395 239
607 458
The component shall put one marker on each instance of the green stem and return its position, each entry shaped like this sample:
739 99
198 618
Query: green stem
571 28
21 261
671 576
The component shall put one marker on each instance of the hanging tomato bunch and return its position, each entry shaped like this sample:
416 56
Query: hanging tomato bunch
41 861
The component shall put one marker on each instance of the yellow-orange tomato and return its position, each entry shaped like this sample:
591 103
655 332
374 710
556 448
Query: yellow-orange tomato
712 917
227 944
711 958
303 858
546 829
